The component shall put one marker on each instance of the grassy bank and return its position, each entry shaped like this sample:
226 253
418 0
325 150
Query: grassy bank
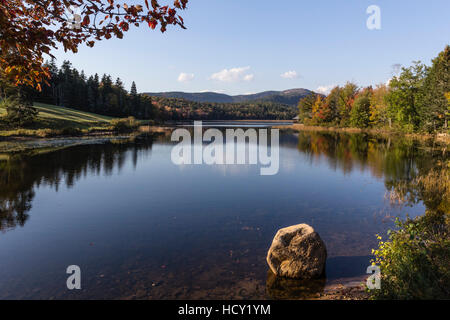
60 121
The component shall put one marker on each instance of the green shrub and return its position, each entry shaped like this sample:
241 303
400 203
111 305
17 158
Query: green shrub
18 114
360 113
70 131
124 125
415 261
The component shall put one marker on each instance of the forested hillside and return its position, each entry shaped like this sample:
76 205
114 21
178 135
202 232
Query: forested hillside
287 97
418 99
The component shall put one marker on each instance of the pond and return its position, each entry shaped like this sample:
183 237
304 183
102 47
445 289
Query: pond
141 227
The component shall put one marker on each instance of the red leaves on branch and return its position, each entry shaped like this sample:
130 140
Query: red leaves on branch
31 28
152 24
86 21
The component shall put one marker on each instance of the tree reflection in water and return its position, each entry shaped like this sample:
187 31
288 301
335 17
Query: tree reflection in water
21 173
406 165
398 161
408 168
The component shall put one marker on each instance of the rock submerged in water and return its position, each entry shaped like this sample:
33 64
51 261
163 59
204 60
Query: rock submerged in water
297 252
281 288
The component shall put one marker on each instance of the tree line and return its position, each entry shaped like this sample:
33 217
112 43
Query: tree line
181 109
418 99
71 88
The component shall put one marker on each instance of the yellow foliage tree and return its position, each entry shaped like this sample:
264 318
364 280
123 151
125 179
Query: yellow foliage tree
378 105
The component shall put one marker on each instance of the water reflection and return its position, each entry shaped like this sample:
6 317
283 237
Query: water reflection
391 158
394 160
398 161
143 228
21 173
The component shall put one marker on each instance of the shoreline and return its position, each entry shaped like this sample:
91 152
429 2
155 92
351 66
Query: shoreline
41 145
19 143
13 144
438 137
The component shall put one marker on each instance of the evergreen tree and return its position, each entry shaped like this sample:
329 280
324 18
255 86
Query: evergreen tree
135 101
121 94
133 90
67 89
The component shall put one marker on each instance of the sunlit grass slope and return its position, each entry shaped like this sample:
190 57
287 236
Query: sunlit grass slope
53 120
66 117
55 117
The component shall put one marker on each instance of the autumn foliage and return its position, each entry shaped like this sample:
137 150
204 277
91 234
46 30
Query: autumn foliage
31 28
417 99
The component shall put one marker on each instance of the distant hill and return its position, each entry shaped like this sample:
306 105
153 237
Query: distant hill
288 97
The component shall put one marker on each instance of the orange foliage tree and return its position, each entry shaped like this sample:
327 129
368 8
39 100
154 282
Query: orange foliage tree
31 28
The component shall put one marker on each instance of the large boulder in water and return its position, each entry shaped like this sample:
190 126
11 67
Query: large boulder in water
297 252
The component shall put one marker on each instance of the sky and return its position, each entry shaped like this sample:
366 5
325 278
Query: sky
248 46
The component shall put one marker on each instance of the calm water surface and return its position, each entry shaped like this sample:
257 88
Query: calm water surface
141 227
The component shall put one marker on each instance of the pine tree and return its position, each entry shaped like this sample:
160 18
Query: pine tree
135 101
54 80
133 90
67 84
121 94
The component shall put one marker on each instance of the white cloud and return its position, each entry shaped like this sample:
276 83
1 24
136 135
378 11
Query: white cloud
249 77
325 89
215 91
233 75
388 82
185 77
290 75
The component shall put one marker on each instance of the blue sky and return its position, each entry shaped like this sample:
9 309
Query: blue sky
245 46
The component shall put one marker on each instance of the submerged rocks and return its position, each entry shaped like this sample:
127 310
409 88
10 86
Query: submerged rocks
280 288
297 252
